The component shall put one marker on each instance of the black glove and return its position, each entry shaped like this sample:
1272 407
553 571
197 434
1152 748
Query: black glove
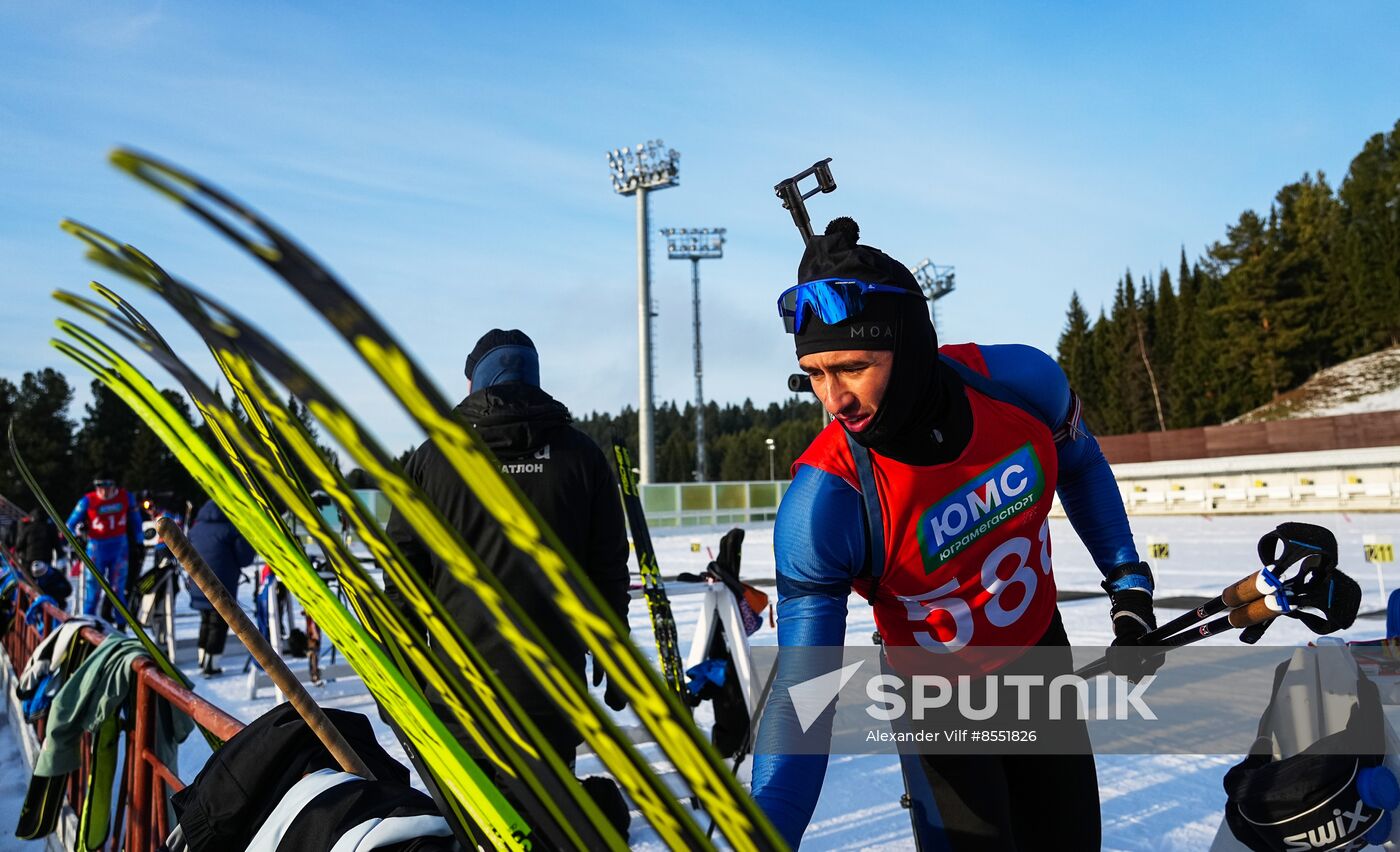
1129 588
615 698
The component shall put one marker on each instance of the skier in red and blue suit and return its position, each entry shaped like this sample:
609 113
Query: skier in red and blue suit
108 514
928 495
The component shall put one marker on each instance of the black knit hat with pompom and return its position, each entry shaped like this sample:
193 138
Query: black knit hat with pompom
837 253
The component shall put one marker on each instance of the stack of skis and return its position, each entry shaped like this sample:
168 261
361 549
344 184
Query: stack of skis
249 472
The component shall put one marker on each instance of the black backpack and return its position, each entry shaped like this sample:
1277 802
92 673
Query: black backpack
1331 794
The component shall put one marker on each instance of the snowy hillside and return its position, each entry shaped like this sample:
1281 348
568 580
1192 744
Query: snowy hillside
1368 383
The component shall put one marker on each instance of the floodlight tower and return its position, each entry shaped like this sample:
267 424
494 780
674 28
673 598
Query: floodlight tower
638 171
935 281
695 245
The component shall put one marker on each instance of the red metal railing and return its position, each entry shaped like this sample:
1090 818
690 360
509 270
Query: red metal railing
142 817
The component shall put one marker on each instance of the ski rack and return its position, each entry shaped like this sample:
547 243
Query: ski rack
720 607
794 199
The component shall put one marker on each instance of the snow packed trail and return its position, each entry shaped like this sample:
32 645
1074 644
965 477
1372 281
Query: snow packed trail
1149 802
14 781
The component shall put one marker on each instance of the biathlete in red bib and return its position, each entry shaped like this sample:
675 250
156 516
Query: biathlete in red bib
108 514
928 495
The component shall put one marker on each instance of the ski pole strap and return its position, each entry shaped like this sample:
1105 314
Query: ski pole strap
874 519
1279 591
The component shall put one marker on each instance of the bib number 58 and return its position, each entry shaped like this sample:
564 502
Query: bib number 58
920 608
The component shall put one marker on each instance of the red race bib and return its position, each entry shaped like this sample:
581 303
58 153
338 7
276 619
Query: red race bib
967 543
107 518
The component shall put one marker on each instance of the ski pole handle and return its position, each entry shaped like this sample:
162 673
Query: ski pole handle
243 627
1256 611
1245 591
1237 594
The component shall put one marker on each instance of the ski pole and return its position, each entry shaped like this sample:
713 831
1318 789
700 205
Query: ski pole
1190 618
1254 612
1307 547
1322 588
1236 594
243 627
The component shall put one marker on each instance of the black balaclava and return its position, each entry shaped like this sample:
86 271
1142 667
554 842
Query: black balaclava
924 416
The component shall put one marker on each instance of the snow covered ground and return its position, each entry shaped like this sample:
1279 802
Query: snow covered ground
14 780
1169 802
1150 803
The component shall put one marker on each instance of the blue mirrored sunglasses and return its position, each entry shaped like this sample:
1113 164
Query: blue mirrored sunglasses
832 299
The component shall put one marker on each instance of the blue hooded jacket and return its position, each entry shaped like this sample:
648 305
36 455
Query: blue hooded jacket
222 546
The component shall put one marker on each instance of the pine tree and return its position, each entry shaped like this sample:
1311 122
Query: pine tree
107 439
1184 391
1164 330
1102 398
1302 240
155 469
9 477
44 434
1315 282
1217 362
1366 265
1144 318
1072 350
676 460
1127 381
1265 314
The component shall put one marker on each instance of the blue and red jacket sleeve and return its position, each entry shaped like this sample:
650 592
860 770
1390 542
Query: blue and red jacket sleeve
78 515
819 543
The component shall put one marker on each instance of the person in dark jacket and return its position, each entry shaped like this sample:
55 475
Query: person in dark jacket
566 476
35 545
37 539
226 551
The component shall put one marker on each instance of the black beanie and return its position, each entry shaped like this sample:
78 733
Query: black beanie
918 397
838 254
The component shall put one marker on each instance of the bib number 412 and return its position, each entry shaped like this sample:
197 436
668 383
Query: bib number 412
921 607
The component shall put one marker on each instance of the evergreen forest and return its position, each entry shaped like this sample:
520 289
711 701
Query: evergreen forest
1312 282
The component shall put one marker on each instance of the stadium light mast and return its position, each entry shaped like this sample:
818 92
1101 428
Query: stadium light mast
695 245
639 171
935 281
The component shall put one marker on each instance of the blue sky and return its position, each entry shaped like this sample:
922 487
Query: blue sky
448 160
